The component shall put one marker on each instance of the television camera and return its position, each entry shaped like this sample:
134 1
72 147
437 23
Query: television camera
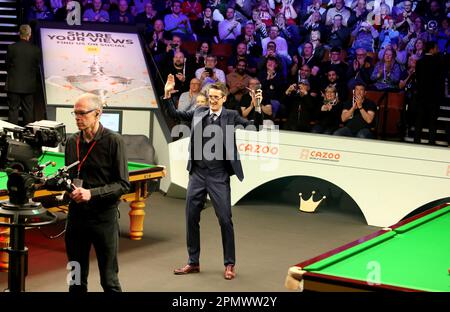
20 150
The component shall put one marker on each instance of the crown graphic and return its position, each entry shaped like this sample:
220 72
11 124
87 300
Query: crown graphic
309 205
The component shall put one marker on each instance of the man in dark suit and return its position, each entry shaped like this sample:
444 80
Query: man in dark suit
213 159
430 79
22 64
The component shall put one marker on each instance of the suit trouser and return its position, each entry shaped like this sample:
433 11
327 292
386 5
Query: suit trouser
426 109
215 183
103 234
17 100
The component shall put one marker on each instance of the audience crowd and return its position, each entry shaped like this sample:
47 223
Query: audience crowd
315 60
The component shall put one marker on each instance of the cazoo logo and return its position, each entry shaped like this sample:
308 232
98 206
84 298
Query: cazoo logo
258 149
308 154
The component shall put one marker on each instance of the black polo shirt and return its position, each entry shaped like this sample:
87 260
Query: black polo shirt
104 170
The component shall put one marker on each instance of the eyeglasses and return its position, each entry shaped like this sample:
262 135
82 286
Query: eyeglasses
82 113
215 97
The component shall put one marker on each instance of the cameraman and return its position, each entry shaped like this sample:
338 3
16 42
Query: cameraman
99 180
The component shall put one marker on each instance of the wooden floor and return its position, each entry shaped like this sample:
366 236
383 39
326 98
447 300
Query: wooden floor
270 238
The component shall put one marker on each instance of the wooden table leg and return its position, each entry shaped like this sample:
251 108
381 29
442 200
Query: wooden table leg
137 215
4 243
137 212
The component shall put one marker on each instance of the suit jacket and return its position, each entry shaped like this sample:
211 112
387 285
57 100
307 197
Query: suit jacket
22 64
227 118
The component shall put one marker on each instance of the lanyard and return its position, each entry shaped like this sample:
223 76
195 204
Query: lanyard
78 154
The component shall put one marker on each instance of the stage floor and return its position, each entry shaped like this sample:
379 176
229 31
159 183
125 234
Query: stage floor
270 238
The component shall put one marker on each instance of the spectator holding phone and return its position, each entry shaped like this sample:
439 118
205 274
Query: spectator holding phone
210 74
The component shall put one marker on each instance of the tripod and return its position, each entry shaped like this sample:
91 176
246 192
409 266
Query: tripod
30 214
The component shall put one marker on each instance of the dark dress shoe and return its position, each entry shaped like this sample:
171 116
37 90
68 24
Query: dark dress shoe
187 269
229 273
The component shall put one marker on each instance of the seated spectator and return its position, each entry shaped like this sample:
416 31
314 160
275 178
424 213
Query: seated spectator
318 48
238 80
266 14
358 14
314 22
96 14
247 104
338 9
157 40
401 55
307 56
219 8
405 20
206 28
338 34
281 60
300 107
329 114
358 115
122 16
382 16
59 9
192 9
386 74
304 73
333 80
187 101
388 33
365 36
138 6
177 22
181 70
289 32
210 74
434 12
287 10
360 69
315 6
417 32
252 39
39 11
260 27
418 48
336 62
148 16
229 28
281 44
273 83
443 36
108 5
241 54
200 56
201 100
175 45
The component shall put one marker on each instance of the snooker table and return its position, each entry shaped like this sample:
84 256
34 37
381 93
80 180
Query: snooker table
139 176
412 255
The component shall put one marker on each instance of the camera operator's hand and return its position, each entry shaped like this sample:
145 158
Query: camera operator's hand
80 195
